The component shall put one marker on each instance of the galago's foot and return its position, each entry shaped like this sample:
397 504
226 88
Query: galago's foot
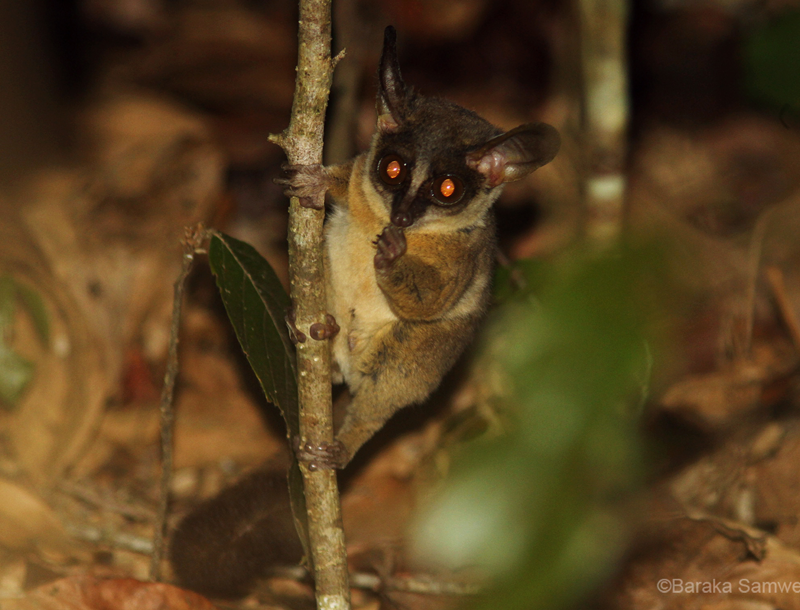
325 456
318 331
306 182
324 330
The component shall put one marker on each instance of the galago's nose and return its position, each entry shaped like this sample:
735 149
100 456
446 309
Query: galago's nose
402 219
407 211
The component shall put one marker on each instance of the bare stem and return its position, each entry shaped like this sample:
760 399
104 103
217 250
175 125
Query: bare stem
302 142
603 27
192 243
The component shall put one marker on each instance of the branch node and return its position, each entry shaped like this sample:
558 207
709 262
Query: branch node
278 138
195 239
339 57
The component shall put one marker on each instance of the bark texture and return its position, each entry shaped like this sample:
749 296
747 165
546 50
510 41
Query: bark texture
302 142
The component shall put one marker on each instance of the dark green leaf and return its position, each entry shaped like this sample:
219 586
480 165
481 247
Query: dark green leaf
257 305
772 61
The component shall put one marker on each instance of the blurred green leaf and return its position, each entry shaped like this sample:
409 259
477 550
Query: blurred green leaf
15 371
518 280
536 508
8 302
10 292
35 306
15 375
257 305
772 61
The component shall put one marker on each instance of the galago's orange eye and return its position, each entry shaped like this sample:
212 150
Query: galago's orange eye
392 170
447 190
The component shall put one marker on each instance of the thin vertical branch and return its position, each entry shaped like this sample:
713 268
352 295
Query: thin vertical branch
302 142
785 308
605 82
354 33
753 273
192 243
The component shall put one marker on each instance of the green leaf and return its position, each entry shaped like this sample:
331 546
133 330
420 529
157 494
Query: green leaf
772 61
521 279
257 304
15 371
10 291
33 302
15 375
536 509
8 302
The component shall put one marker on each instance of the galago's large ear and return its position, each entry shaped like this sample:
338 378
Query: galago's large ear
392 92
516 153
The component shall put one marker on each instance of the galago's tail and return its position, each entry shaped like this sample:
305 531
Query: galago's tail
228 542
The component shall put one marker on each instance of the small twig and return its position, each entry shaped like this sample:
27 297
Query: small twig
778 287
117 540
428 585
339 57
754 265
423 584
754 539
193 241
355 34
515 276
91 496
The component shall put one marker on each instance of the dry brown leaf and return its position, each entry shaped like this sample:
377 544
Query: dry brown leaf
712 400
237 61
717 400
725 200
216 417
776 489
27 522
88 593
697 564
59 411
749 478
99 243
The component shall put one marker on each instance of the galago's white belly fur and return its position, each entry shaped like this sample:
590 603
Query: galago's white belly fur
354 297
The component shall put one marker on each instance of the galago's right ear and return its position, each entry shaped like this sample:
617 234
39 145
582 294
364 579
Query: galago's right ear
516 153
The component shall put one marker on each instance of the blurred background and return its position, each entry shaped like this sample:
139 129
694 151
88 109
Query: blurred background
123 121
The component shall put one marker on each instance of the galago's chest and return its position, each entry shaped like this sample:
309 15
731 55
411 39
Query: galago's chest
354 297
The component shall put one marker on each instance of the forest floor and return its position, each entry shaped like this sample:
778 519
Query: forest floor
163 122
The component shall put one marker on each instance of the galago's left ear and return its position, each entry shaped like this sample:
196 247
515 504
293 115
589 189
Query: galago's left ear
392 93
516 153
